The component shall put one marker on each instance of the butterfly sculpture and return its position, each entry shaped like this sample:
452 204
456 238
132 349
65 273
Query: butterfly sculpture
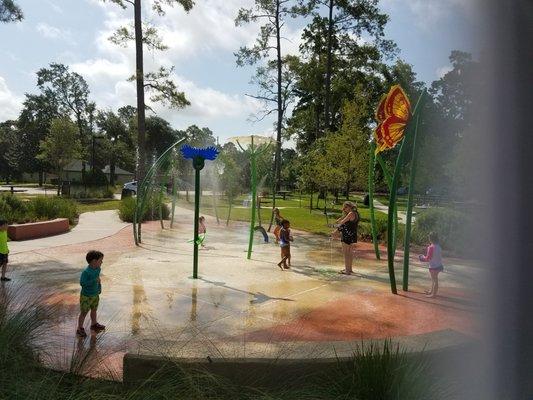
392 115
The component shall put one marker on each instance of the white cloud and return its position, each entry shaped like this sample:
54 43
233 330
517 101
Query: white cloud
10 104
208 28
429 12
48 31
440 72
55 7
96 70
52 32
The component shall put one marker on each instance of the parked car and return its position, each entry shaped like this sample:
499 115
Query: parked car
129 189
403 191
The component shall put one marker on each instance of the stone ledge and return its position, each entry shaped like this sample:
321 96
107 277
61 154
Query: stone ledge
278 363
36 230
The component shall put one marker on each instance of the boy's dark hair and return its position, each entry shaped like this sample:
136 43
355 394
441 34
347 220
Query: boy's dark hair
434 237
93 255
3 222
285 221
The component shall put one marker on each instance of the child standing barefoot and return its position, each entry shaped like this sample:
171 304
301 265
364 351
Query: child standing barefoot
434 257
285 240
278 220
201 230
90 292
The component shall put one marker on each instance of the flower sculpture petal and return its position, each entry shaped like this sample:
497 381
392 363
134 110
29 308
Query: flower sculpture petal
392 114
207 153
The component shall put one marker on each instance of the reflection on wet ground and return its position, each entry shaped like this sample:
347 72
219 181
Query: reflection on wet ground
148 293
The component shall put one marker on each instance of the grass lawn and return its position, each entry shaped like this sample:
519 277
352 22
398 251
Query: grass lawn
300 217
98 205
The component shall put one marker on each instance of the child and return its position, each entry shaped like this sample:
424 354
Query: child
285 240
201 230
434 257
4 251
278 220
90 292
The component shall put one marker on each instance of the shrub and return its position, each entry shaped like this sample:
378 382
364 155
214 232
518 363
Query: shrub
127 206
44 208
453 227
365 227
13 209
103 192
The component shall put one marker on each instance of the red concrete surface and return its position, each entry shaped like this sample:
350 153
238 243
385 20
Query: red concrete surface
376 315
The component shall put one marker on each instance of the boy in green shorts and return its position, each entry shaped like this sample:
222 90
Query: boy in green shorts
4 251
90 292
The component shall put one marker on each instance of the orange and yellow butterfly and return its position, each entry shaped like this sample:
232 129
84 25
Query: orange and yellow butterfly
392 114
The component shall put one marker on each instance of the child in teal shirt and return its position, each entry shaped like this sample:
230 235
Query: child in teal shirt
90 292
4 251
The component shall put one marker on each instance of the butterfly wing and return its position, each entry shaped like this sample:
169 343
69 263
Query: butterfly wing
397 104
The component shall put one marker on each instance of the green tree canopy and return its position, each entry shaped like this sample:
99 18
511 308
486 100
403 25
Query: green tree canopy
61 146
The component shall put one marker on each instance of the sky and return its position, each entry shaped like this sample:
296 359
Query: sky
201 46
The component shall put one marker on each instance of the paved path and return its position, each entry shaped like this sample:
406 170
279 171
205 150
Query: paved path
402 215
30 190
91 226
149 299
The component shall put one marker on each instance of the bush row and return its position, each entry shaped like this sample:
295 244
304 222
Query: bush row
127 206
40 208
81 192
453 227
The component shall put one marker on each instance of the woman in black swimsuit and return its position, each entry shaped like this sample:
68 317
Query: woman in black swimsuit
348 231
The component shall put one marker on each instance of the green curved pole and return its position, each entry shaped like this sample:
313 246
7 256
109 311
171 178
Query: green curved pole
371 168
392 199
388 179
407 241
173 201
142 192
161 197
391 217
254 190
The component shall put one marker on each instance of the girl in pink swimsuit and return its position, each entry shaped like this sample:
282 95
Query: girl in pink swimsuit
434 258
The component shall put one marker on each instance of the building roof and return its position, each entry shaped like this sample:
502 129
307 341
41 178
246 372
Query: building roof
118 171
76 166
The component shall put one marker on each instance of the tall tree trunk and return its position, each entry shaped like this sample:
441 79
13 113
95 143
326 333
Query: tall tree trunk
112 173
327 102
82 142
59 182
348 190
280 103
139 73
229 210
277 158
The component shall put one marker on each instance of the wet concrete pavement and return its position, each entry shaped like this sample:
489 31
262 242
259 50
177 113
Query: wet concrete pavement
148 294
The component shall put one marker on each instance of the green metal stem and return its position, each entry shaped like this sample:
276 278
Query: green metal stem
371 168
388 178
407 240
161 197
174 190
254 189
391 249
142 191
196 216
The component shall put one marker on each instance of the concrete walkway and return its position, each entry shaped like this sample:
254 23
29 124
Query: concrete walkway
402 215
91 226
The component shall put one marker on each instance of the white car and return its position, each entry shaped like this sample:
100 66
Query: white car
131 186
